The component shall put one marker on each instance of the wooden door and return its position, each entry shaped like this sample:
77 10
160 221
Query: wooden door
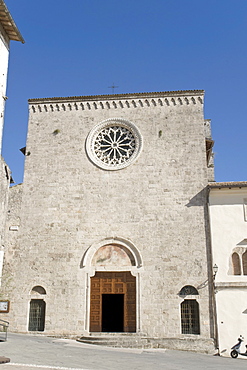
113 283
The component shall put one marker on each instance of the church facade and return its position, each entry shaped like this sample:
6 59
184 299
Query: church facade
109 231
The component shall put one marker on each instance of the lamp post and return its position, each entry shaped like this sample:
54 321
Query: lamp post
215 270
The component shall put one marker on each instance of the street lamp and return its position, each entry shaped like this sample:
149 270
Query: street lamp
215 270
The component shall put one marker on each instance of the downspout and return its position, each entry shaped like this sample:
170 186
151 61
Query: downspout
212 282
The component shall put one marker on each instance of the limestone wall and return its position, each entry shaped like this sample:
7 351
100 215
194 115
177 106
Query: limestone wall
157 203
4 190
5 175
12 226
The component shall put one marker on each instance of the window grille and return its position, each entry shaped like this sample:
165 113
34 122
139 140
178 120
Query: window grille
37 315
190 317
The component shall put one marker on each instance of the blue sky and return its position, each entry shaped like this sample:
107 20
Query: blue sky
80 47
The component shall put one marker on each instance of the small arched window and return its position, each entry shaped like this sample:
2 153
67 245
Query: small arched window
190 323
236 264
188 290
244 260
38 289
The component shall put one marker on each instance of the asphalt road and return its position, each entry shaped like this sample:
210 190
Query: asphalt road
31 352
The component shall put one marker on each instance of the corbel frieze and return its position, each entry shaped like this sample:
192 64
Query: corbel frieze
116 104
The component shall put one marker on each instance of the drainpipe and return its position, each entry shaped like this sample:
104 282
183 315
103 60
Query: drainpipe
212 276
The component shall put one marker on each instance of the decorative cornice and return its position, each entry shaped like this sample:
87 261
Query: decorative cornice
137 100
121 96
8 23
230 284
229 185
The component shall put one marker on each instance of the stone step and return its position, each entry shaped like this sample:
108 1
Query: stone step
115 334
120 341
135 340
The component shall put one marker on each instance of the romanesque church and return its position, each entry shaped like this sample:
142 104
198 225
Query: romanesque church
109 232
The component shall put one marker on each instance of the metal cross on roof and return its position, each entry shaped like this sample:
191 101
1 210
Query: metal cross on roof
112 87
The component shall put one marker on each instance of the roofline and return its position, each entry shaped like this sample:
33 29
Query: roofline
120 96
229 185
8 24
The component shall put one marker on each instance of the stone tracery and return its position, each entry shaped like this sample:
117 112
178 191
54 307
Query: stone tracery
114 144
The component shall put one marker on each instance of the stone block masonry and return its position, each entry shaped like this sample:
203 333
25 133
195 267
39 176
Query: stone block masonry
151 209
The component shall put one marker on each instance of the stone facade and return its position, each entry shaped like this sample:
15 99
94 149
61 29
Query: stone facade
12 224
78 218
5 177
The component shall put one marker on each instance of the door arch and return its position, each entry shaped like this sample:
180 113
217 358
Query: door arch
112 268
126 245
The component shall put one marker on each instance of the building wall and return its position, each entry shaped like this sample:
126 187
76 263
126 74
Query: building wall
228 219
4 182
4 56
4 191
12 225
8 30
4 185
157 203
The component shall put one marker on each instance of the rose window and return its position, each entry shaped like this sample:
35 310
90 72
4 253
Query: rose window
113 144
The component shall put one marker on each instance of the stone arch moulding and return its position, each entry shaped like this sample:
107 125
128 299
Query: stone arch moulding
132 263
38 289
188 290
86 261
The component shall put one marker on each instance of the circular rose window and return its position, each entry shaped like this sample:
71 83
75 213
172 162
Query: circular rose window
114 144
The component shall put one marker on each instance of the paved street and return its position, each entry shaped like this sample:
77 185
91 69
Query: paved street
30 352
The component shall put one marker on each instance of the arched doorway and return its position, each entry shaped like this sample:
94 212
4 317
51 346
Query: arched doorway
113 302
113 278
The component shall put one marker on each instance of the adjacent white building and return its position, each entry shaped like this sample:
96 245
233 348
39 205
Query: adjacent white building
228 220
8 32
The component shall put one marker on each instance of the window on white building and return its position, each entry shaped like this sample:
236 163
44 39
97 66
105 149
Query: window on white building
245 209
236 264
244 261
239 263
